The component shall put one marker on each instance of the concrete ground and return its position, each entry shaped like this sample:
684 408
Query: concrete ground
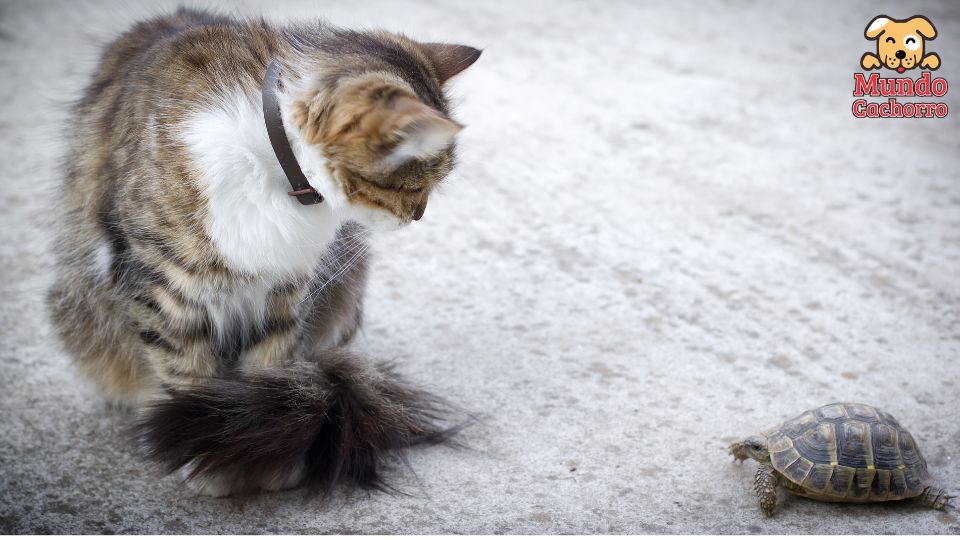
667 231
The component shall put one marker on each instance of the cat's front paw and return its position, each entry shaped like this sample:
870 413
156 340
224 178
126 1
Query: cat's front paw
226 484
208 485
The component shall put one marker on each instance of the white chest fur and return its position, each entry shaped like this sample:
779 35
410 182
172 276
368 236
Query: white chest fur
257 228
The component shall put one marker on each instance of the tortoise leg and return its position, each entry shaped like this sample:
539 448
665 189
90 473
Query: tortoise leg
765 485
937 498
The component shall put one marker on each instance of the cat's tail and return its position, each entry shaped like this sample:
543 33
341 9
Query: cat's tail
335 420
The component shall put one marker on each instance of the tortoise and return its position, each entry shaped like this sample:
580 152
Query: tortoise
843 452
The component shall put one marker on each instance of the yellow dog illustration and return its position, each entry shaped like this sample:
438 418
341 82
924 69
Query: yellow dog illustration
900 43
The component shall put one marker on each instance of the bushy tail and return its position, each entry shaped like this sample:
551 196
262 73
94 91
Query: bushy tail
316 423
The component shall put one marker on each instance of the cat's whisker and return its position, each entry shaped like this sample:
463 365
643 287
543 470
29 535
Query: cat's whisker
346 267
339 240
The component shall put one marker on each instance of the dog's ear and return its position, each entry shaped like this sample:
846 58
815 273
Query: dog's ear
923 26
876 27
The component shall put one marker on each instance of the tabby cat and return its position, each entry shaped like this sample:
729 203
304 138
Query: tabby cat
194 284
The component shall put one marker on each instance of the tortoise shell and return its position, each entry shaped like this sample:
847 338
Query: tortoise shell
847 452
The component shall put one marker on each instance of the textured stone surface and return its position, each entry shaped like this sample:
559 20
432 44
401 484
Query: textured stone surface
667 231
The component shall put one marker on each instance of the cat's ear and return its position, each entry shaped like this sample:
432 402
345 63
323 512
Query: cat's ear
450 59
419 130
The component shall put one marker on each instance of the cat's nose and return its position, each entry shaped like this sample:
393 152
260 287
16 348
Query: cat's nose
901 55
418 213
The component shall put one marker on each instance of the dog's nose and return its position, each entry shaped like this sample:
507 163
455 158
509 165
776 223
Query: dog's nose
901 55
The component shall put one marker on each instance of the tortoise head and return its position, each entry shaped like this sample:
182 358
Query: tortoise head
751 447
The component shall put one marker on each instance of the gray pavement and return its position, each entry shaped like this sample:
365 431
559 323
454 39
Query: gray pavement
667 231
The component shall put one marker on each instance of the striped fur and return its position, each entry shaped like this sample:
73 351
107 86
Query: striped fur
185 274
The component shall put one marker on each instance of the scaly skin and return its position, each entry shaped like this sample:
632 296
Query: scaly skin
765 485
936 498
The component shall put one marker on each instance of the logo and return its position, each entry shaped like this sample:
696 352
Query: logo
901 45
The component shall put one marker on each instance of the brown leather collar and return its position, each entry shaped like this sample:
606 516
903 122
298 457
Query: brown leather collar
302 190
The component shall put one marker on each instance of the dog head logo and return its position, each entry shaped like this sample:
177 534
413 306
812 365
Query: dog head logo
900 44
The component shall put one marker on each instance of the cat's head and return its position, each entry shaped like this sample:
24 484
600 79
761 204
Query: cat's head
378 116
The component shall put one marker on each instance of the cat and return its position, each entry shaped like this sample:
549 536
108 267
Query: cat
195 285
